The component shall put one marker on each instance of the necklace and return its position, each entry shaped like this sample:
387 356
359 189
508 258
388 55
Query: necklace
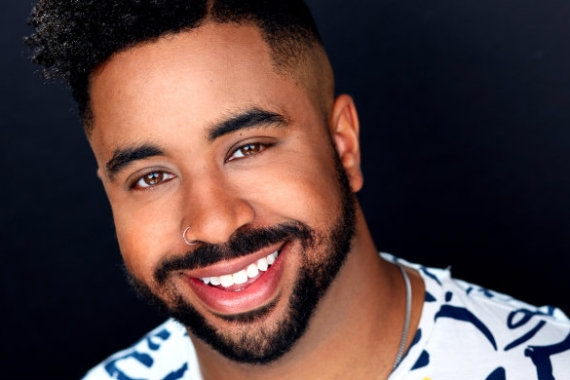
407 318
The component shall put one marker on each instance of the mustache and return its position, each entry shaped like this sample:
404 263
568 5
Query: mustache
241 243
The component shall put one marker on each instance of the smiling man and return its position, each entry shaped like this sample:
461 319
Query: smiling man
231 169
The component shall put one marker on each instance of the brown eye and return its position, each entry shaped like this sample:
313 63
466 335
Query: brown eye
250 149
152 179
247 150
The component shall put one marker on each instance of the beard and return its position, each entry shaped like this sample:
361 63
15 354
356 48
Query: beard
256 342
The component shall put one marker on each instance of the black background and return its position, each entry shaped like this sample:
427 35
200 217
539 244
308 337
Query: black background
464 108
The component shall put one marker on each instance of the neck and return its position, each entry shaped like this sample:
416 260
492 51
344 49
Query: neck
355 331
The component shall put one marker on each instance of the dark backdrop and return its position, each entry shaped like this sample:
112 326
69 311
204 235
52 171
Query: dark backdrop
466 155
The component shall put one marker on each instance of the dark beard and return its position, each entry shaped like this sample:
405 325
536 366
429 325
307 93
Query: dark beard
258 345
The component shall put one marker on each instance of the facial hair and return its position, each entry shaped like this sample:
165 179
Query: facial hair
257 343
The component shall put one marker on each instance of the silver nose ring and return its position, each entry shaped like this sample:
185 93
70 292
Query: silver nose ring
191 242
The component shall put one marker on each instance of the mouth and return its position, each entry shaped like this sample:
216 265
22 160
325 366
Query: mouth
239 280
241 285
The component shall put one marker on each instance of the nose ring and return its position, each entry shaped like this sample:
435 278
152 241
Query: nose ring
191 242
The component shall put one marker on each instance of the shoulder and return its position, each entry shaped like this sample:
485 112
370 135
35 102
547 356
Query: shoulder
466 327
164 353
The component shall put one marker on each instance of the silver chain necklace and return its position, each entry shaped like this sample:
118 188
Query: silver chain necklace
407 318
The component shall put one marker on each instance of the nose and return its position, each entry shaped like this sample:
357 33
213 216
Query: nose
215 210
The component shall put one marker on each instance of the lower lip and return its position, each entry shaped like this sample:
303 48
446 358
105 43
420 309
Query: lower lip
256 295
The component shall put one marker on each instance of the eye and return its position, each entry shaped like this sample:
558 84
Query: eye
152 179
247 150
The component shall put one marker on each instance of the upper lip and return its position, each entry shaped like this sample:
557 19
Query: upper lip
234 265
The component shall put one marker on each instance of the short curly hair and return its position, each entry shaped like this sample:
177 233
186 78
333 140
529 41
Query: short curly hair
72 37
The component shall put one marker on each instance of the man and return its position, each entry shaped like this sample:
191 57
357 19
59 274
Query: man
231 170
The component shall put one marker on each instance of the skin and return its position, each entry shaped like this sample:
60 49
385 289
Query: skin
170 94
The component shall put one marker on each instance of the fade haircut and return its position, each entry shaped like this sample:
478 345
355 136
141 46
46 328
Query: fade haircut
72 38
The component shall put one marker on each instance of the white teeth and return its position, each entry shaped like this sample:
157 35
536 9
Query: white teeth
227 280
271 258
252 270
241 277
262 264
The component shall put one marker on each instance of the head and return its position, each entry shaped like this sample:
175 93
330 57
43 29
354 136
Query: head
72 39
220 116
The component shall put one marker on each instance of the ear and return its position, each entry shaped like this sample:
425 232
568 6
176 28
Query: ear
344 129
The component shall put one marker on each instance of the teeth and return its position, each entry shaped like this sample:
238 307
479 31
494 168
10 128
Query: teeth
227 280
252 271
241 277
262 264
271 258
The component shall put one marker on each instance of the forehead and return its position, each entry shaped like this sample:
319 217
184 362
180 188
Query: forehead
191 79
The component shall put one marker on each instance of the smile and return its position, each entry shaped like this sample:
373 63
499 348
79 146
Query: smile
242 285
251 272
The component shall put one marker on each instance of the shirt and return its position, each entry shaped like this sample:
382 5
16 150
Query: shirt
465 331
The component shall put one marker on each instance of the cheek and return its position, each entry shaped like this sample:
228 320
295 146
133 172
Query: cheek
145 232
298 190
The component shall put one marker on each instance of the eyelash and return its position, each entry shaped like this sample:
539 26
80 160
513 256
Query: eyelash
261 147
136 184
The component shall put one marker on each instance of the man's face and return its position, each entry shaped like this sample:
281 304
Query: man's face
198 130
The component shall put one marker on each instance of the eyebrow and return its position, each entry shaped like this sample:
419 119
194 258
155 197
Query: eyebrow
124 157
252 118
